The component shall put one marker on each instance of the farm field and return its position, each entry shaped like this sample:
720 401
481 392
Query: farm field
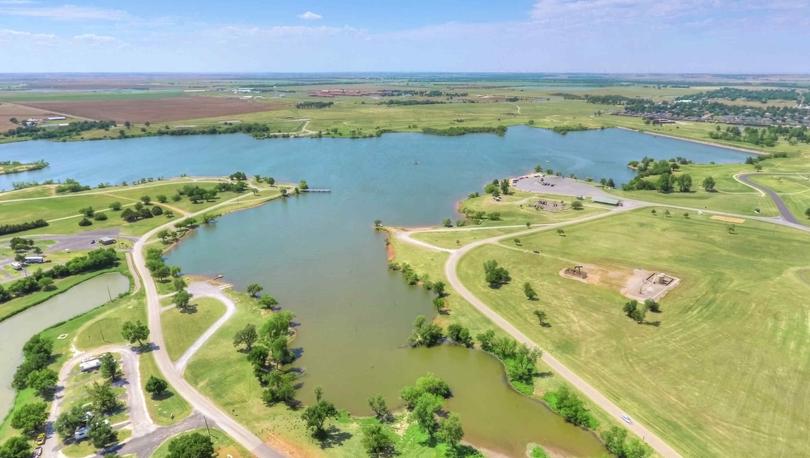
21 112
721 327
141 110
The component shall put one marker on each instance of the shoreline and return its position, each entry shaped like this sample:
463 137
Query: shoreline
701 142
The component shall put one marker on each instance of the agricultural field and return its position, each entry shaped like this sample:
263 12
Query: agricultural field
21 113
720 328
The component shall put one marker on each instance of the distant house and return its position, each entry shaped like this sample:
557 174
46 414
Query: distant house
607 201
56 118
106 240
34 259
90 364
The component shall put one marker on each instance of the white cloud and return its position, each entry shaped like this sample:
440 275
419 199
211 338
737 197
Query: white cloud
284 31
19 35
65 12
93 39
309 16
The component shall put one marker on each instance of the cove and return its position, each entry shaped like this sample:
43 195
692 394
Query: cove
16 330
318 255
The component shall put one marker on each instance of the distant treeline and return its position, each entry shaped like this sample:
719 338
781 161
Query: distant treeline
459 130
564 129
43 133
313 104
411 102
20 227
760 95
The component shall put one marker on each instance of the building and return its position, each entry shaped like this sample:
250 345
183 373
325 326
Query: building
34 259
56 118
106 240
607 201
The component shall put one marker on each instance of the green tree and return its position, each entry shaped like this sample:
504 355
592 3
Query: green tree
135 331
277 325
115 206
146 200
67 422
254 289
246 337
280 388
156 386
684 183
664 183
280 353
315 416
267 301
460 335
709 184
30 418
182 299
440 288
807 212
450 431
377 441
43 381
194 445
425 333
101 433
652 306
542 318
577 205
529 292
424 412
380 408
109 367
103 398
16 447
495 275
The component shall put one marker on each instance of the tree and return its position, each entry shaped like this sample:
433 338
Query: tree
68 421
280 388
380 408
182 299
278 325
246 336
425 333
635 311
807 212
684 183
440 288
424 412
16 447
43 381
377 441
267 301
664 183
135 332
101 433
494 274
616 443
103 398
315 416
438 304
178 283
85 222
30 418
529 292
115 206
577 205
542 318
194 445
653 306
450 431
709 184
147 200
258 356
460 335
254 289
109 367
156 386
280 353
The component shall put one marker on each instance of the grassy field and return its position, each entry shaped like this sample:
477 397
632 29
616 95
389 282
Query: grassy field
169 408
181 329
105 328
518 208
224 446
703 378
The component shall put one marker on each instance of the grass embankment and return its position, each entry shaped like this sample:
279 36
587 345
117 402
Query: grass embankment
224 446
182 328
737 319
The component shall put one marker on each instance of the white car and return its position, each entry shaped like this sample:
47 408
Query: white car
627 419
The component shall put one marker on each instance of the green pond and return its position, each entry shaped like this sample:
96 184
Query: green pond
318 255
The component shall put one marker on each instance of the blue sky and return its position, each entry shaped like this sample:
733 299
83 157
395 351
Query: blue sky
655 36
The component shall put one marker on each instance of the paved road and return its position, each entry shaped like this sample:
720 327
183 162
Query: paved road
784 211
205 289
144 446
450 271
199 402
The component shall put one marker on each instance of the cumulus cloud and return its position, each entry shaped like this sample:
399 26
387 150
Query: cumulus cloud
309 16
64 12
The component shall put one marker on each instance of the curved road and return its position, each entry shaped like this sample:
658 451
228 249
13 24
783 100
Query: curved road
201 403
784 211
203 289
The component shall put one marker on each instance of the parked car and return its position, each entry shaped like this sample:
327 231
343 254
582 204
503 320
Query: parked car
40 439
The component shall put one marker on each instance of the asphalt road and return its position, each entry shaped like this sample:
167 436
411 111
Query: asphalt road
784 211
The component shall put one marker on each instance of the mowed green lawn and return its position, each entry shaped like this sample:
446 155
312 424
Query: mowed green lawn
725 373
181 329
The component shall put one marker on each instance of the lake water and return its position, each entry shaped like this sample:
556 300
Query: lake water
15 331
319 256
